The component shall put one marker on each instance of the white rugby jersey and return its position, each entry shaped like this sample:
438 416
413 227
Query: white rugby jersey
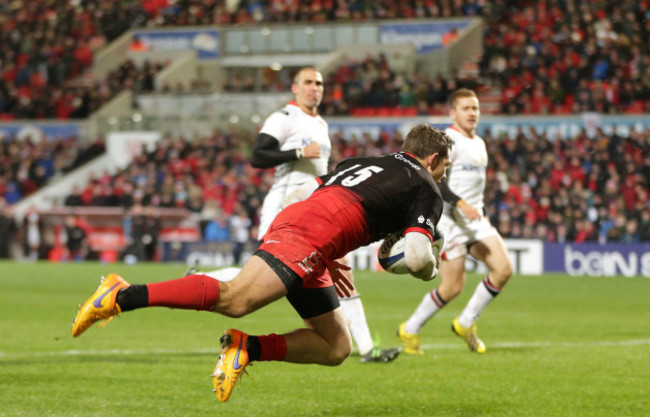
466 175
294 128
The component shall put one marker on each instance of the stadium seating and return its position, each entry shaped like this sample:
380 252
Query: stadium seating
27 165
603 48
527 196
538 59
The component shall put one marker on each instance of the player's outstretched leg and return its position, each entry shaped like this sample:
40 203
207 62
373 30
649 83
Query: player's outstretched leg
101 305
232 362
469 334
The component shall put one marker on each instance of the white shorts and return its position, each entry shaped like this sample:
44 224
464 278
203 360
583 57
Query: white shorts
460 233
271 206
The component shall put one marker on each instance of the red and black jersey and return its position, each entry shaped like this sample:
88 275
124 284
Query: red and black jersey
361 201
395 191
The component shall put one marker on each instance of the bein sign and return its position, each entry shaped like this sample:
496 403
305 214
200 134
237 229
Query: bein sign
609 260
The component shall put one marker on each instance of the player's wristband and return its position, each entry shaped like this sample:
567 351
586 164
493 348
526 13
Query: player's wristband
300 153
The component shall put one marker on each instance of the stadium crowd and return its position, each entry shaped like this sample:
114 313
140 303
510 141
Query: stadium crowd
37 97
552 57
580 189
555 57
576 190
569 57
246 12
27 164
380 86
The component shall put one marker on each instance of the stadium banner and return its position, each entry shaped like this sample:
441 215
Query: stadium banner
38 131
179 234
206 42
597 260
203 253
526 256
553 126
106 238
425 37
565 126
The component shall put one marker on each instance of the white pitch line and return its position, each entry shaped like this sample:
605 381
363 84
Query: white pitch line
508 345
128 352
121 352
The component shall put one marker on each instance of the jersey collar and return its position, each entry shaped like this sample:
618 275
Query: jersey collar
293 103
452 127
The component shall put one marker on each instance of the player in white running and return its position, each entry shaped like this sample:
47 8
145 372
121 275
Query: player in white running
466 230
295 141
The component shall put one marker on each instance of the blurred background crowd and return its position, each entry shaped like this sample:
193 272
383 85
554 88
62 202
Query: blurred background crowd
547 57
555 57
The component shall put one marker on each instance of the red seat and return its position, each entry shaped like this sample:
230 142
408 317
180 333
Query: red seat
383 111
409 111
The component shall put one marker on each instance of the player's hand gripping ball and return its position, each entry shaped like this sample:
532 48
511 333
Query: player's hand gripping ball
391 254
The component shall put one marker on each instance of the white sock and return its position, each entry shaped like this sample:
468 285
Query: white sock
356 319
483 295
430 305
225 274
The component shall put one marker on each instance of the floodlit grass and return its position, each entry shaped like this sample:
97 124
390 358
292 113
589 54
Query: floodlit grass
557 346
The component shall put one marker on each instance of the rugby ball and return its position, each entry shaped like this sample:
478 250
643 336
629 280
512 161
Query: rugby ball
391 254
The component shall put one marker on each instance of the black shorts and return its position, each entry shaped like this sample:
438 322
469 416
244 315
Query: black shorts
308 302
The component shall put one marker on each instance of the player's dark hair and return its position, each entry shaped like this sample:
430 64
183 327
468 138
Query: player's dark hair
458 94
424 140
296 77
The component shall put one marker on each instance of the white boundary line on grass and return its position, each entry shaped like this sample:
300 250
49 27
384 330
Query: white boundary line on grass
128 352
510 345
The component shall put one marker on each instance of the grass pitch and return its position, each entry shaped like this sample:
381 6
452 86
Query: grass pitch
557 346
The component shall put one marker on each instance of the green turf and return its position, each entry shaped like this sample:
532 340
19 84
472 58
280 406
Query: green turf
557 346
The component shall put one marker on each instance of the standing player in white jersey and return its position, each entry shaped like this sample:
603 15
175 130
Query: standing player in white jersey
295 141
466 230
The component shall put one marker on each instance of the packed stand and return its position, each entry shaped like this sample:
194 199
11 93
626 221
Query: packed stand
210 177
546 58
380 86
45 45
565 57
575 190
27 165
251 12
553 57
44 100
